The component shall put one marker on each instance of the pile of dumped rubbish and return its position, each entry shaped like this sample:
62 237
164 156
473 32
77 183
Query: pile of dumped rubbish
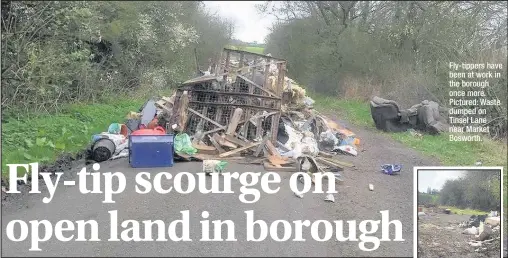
425 117
484 228
242 108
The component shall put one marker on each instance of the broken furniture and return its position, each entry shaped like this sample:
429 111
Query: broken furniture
389 117
236 106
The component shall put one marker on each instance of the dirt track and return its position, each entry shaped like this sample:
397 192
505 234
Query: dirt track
440 236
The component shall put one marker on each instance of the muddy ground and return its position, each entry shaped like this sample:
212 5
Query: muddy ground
440 236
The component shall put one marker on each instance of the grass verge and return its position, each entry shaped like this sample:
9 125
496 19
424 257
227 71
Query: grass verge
491 153
449 153
42 138
257 50
458 211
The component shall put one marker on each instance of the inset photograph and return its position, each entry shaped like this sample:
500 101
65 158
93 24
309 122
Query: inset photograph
459 212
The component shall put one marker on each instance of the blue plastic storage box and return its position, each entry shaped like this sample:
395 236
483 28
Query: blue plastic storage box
149 151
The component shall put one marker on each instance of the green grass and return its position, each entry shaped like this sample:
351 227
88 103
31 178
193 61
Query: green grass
42 138
491 153
458 211
257 50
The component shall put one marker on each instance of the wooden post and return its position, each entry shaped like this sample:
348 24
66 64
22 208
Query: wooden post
280 79
235 119
226 65
241 60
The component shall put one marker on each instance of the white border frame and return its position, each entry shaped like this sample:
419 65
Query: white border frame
415 199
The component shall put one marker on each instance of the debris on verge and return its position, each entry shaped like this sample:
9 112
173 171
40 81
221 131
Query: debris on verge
243 108
330 198
390 169
425 116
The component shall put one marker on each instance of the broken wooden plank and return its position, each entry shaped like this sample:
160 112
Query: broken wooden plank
328 163
257 86
170 100
271 149
260 147
203 147
254 161
235 119
160 103
270 167
216 144
278 161
182 110
275 126
333 163
236 140
229 153
259 128
223 142
342 163
246 124
214 130
325 154
204 117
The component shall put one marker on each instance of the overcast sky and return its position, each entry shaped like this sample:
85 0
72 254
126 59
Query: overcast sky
436 178
250 26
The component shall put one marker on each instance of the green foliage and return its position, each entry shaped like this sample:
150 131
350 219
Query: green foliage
55 53
252 49
42 138
66 66
477 190
425 198
396 50
455 210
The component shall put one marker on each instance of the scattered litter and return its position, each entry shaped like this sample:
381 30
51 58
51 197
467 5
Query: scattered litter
414 133
371 187
485 231
300 178
421 213
105 145
330 198
338 177
471 231
493 221
213 166
348 149
148 112
114 128
475 244
124 153
390 169
299 195
183 144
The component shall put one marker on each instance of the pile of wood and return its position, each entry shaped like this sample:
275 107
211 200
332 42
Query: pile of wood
235 113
